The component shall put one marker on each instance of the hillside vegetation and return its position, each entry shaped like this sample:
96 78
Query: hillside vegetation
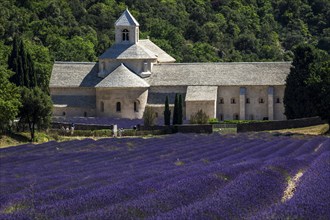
190 30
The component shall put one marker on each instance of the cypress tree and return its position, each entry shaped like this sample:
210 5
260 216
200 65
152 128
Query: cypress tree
167 113
176 110
20 62
180 110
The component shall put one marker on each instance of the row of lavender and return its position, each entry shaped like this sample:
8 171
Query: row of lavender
173 177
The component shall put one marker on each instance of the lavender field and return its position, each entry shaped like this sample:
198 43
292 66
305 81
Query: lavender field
172 177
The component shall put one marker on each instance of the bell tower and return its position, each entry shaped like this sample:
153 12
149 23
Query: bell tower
127 29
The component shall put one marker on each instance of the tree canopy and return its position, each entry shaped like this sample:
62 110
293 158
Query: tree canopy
190 30
308 85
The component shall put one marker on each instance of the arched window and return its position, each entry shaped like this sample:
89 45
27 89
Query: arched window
135 107
233 101
118 107
125 35
221 117
102 106
247 101
278 100
221 101
261 100
63 113
236 116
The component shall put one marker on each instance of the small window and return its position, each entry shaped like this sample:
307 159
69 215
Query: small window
221 117
221 101
102 106
63 113
103 66
278 100
261 100
247 100
125 35
85 114
236 116
118 107
135 107
251 117
233 101
156 114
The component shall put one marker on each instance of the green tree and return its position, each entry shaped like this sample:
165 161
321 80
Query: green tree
36 109
302 93
176 110
320 83
9 99
20 62
167 113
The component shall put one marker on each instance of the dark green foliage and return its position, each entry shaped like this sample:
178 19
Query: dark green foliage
190 31
167 113
176 110
36 109
20 62
180 110
9 99
307 85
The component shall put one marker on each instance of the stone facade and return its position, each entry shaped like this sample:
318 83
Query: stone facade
134 73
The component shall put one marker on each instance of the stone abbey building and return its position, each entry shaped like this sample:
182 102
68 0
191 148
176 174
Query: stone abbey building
134 73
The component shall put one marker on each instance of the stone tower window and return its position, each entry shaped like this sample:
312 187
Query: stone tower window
233 101
261 100
247 101
278 100
118 107
221 101
125 35
102 106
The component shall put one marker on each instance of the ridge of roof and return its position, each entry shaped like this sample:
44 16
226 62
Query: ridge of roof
223 63
126 19
127 51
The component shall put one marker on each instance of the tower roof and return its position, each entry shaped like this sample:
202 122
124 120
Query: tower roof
122 77
126 19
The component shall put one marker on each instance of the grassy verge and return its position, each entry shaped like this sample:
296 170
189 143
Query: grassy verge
312 130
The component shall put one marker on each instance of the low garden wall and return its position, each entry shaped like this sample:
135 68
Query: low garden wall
278 125
59 125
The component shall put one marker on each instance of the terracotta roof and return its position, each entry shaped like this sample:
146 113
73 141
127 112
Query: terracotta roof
202 93
122 77
218 74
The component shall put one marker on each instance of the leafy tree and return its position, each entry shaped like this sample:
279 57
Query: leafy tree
149 116
320 83
176 110
302 93
36 109
9 99
167 113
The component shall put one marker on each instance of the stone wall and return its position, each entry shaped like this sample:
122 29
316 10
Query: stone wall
126 97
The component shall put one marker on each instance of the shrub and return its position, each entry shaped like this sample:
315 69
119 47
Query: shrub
199 118
213 121
149 116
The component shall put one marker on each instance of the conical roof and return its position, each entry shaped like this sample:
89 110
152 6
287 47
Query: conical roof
126 19
122 77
